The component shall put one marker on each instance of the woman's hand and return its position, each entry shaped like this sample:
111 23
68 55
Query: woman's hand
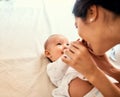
79 57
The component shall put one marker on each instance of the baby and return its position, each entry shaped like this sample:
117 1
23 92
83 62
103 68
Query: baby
69 82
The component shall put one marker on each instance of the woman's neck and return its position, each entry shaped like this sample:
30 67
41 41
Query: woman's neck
115 29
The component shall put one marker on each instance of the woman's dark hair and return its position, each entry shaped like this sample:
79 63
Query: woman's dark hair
81 6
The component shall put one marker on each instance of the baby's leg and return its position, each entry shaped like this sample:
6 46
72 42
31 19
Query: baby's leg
79 87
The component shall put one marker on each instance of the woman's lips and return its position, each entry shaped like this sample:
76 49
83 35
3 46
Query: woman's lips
88 46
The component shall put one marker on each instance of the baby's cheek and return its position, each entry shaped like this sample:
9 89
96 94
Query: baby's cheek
58 55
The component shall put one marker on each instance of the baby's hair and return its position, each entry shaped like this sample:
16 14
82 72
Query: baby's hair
47 41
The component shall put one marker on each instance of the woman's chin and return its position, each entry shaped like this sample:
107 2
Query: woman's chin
97 53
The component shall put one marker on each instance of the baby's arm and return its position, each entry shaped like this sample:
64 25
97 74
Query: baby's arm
56 71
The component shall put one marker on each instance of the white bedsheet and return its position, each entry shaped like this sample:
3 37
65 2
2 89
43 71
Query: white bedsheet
24 78
24 26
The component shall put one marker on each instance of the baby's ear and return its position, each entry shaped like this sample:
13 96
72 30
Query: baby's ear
47 54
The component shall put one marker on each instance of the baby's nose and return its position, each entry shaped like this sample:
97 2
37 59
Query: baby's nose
66 46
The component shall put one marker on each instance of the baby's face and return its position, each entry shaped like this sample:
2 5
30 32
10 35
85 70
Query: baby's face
56 46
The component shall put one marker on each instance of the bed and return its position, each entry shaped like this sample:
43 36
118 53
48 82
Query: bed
24 26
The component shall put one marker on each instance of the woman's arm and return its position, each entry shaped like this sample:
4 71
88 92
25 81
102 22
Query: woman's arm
80 58
104 64
100 81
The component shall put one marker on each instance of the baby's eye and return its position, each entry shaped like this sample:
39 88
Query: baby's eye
68 44
59 43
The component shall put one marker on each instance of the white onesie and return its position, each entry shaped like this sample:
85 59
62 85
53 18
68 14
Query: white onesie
61 75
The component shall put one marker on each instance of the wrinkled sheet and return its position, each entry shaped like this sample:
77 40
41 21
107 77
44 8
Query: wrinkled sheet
25 77
24 26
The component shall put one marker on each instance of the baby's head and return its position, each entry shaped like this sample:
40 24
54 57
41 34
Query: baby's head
55 46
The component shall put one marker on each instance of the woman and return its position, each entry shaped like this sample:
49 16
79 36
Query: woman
98 24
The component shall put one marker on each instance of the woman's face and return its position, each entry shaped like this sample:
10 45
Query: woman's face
93 34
